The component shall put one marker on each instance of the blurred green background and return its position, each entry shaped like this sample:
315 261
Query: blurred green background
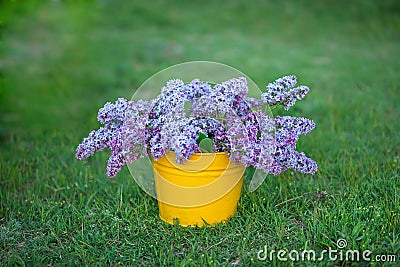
62 60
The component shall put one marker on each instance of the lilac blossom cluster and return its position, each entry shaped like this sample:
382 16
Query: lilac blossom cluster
109 135
223 113
186 140
282 92
252 141
135 130
175 125
288 131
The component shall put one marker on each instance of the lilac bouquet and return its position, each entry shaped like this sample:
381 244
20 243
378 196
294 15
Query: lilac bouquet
199 117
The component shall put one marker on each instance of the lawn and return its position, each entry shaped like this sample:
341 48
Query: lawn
62 60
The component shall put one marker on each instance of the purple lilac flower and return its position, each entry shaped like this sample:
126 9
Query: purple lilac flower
169 106
214 130
185 144
238 139
196 89
110 135
115 163
225 99
276 168
288 131
169 133
252 126
171 86
266 140
252 141
237 85
117 158
175 95
155 146
112 112
240 107
134 130
164 109
292 125
253 103
96 141
215 104
111 115
281 92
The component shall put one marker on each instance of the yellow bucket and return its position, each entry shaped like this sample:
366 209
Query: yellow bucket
204 190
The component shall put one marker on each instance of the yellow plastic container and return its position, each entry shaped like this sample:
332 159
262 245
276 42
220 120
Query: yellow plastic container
204 190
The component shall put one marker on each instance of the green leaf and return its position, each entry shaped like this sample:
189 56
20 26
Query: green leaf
188 107
206 145
201 137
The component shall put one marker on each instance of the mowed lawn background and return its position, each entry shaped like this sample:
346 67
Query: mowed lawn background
62 60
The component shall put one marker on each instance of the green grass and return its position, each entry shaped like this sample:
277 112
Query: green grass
60 61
